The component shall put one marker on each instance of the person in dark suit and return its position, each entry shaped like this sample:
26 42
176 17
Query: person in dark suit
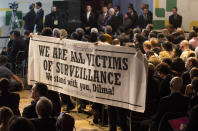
38 90
175 19
127 25
102 19
164 73
18 44
8 99
118 15
39 17
192 121
174 103
112 20
145 19
134 17
52 19
44 122
29 19
89 19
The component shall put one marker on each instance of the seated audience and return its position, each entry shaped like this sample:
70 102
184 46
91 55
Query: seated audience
65 122
45 121
5 115
7 98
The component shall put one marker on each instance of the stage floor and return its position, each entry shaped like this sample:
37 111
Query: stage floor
82 123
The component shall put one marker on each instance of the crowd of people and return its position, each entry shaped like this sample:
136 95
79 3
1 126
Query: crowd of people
172 71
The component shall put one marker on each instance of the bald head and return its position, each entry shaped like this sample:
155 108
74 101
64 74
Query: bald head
176 84
184 45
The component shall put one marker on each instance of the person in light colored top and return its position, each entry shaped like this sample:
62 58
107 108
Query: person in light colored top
184 46
194 40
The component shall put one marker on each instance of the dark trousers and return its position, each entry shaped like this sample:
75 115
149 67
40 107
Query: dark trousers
115 115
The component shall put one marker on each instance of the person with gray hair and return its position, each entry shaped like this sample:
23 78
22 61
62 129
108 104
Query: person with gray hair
56 33
112 20
44 122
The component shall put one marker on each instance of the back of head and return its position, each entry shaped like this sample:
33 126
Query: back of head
193 72
44 107
176 84
41 88
47 31
65 121
4 85
168 46
5 115
20 124
3 60
154 42
39 4
151 70
163 68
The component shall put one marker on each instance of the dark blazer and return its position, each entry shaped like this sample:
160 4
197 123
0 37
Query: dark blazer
112 22
17 45
173 103
143 22
175 22
44 124
30 111
119 19
102 20
39 20
192 122
10 100
91 22
126 25
186 80
29 20
164 88
50 19
134 19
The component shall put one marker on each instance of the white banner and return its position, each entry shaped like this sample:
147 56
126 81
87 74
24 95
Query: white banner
104 74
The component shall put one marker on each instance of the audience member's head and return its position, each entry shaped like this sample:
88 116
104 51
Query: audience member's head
3 60
167 61
5 115
147 46
163 70
4 85
154 43
38 5
44 107
56 33
193 72
184 45
191 62
38 90
65 122
176 84
47 31
178 65
20 124
167 46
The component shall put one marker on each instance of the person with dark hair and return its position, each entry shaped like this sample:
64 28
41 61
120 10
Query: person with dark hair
102 18
29 19
89 19
39 17
164 73
6 73
167 46
52 19
18 45
145 33
134 17
178 65
5 115
175 19
45 121
47 31
38 90
127 23
20 124
145 19
167 61
138 40
7 98
119 16
65 122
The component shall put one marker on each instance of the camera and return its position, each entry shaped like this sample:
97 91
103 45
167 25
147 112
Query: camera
14 6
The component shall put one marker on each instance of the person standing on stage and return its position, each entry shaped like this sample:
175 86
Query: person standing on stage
89 20
102 19
29 19
175 19
134 17
39 17
52 20
145 19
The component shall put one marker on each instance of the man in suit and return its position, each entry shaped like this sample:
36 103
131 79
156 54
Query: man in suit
89 20
102 19
175 19
112 20
134 17
145 19
192 121
39 17
7 98
174 103
29 19
119 16
52 19
38 90
44 122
